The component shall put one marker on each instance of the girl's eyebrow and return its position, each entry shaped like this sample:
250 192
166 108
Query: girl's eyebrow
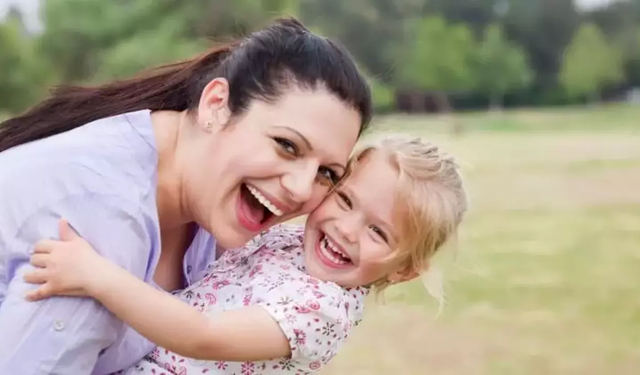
354 197
383 223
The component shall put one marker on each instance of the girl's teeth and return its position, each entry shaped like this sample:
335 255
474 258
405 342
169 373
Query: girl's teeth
327 250
335 248
265 202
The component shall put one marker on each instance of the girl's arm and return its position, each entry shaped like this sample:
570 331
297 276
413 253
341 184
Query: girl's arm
72 267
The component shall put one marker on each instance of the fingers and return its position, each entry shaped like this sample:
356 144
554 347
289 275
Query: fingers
40 260
44 246
38 276
41 293
66 232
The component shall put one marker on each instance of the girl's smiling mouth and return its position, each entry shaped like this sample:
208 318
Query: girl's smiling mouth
330 253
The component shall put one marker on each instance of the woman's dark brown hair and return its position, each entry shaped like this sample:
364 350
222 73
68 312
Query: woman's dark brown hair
259 67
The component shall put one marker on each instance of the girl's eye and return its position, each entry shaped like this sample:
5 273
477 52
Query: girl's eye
329 175
287 145
344 200
379 232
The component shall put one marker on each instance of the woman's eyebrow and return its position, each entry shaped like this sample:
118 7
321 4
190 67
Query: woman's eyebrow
304 139
308 145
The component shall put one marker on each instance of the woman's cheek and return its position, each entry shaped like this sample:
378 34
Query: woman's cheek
316 201
309 207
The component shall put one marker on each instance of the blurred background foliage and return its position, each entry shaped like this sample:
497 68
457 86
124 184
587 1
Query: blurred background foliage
465 54
546 269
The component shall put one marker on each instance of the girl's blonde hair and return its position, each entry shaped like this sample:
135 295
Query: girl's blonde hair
430 201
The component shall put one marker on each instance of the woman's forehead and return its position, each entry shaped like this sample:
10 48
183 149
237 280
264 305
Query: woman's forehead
329 125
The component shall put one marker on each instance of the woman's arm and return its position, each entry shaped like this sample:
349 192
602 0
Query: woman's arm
72 267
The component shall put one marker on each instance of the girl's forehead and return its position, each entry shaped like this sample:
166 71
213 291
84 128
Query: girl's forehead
374 166
374 182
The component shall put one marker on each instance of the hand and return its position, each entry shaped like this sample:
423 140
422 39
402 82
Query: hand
64 268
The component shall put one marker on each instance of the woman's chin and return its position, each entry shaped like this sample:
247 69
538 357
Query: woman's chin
232 241
228 237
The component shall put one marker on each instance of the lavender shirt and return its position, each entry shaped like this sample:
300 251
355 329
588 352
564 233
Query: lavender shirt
102 178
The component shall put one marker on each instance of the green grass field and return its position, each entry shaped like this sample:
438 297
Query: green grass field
546 276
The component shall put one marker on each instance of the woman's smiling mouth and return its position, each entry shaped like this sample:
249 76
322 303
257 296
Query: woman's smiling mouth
255 210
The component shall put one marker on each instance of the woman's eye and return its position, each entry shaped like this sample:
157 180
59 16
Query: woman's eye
287 145
342 197
379 232
329 174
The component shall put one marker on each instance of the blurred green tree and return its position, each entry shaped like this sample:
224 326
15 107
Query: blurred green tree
370 29
620 22
589 63
24 73
100 40
500 66
437 59
143 50
543 28
382 94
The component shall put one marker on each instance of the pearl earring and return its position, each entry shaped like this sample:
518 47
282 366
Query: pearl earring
209 124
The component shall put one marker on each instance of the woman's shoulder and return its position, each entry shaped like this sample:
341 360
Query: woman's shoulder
105 157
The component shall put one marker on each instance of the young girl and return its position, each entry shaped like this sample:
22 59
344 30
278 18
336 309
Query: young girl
290 294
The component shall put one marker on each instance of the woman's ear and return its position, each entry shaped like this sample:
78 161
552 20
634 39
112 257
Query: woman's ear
213 109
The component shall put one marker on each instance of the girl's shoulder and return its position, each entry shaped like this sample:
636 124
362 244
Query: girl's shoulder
316 316
279 239
280 236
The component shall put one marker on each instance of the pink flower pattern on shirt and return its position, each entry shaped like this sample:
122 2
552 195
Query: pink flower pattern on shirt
316 316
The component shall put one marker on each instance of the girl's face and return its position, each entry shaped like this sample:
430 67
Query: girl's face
275 162
350 237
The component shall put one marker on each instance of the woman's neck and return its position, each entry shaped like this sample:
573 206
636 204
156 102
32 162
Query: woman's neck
172 212
169 270
176 227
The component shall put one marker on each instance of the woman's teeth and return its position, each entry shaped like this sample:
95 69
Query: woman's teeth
332 252
265 202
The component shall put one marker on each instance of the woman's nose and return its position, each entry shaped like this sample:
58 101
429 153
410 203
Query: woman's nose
299 182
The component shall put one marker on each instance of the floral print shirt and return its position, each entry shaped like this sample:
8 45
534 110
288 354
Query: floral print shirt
316 316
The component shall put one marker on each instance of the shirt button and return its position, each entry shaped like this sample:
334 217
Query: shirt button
58 325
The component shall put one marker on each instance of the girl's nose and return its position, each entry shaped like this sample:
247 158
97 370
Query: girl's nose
349 226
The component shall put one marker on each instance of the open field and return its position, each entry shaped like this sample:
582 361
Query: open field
547 273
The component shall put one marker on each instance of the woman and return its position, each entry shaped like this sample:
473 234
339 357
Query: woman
154 170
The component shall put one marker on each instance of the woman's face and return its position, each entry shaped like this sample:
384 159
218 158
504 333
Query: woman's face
275 162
